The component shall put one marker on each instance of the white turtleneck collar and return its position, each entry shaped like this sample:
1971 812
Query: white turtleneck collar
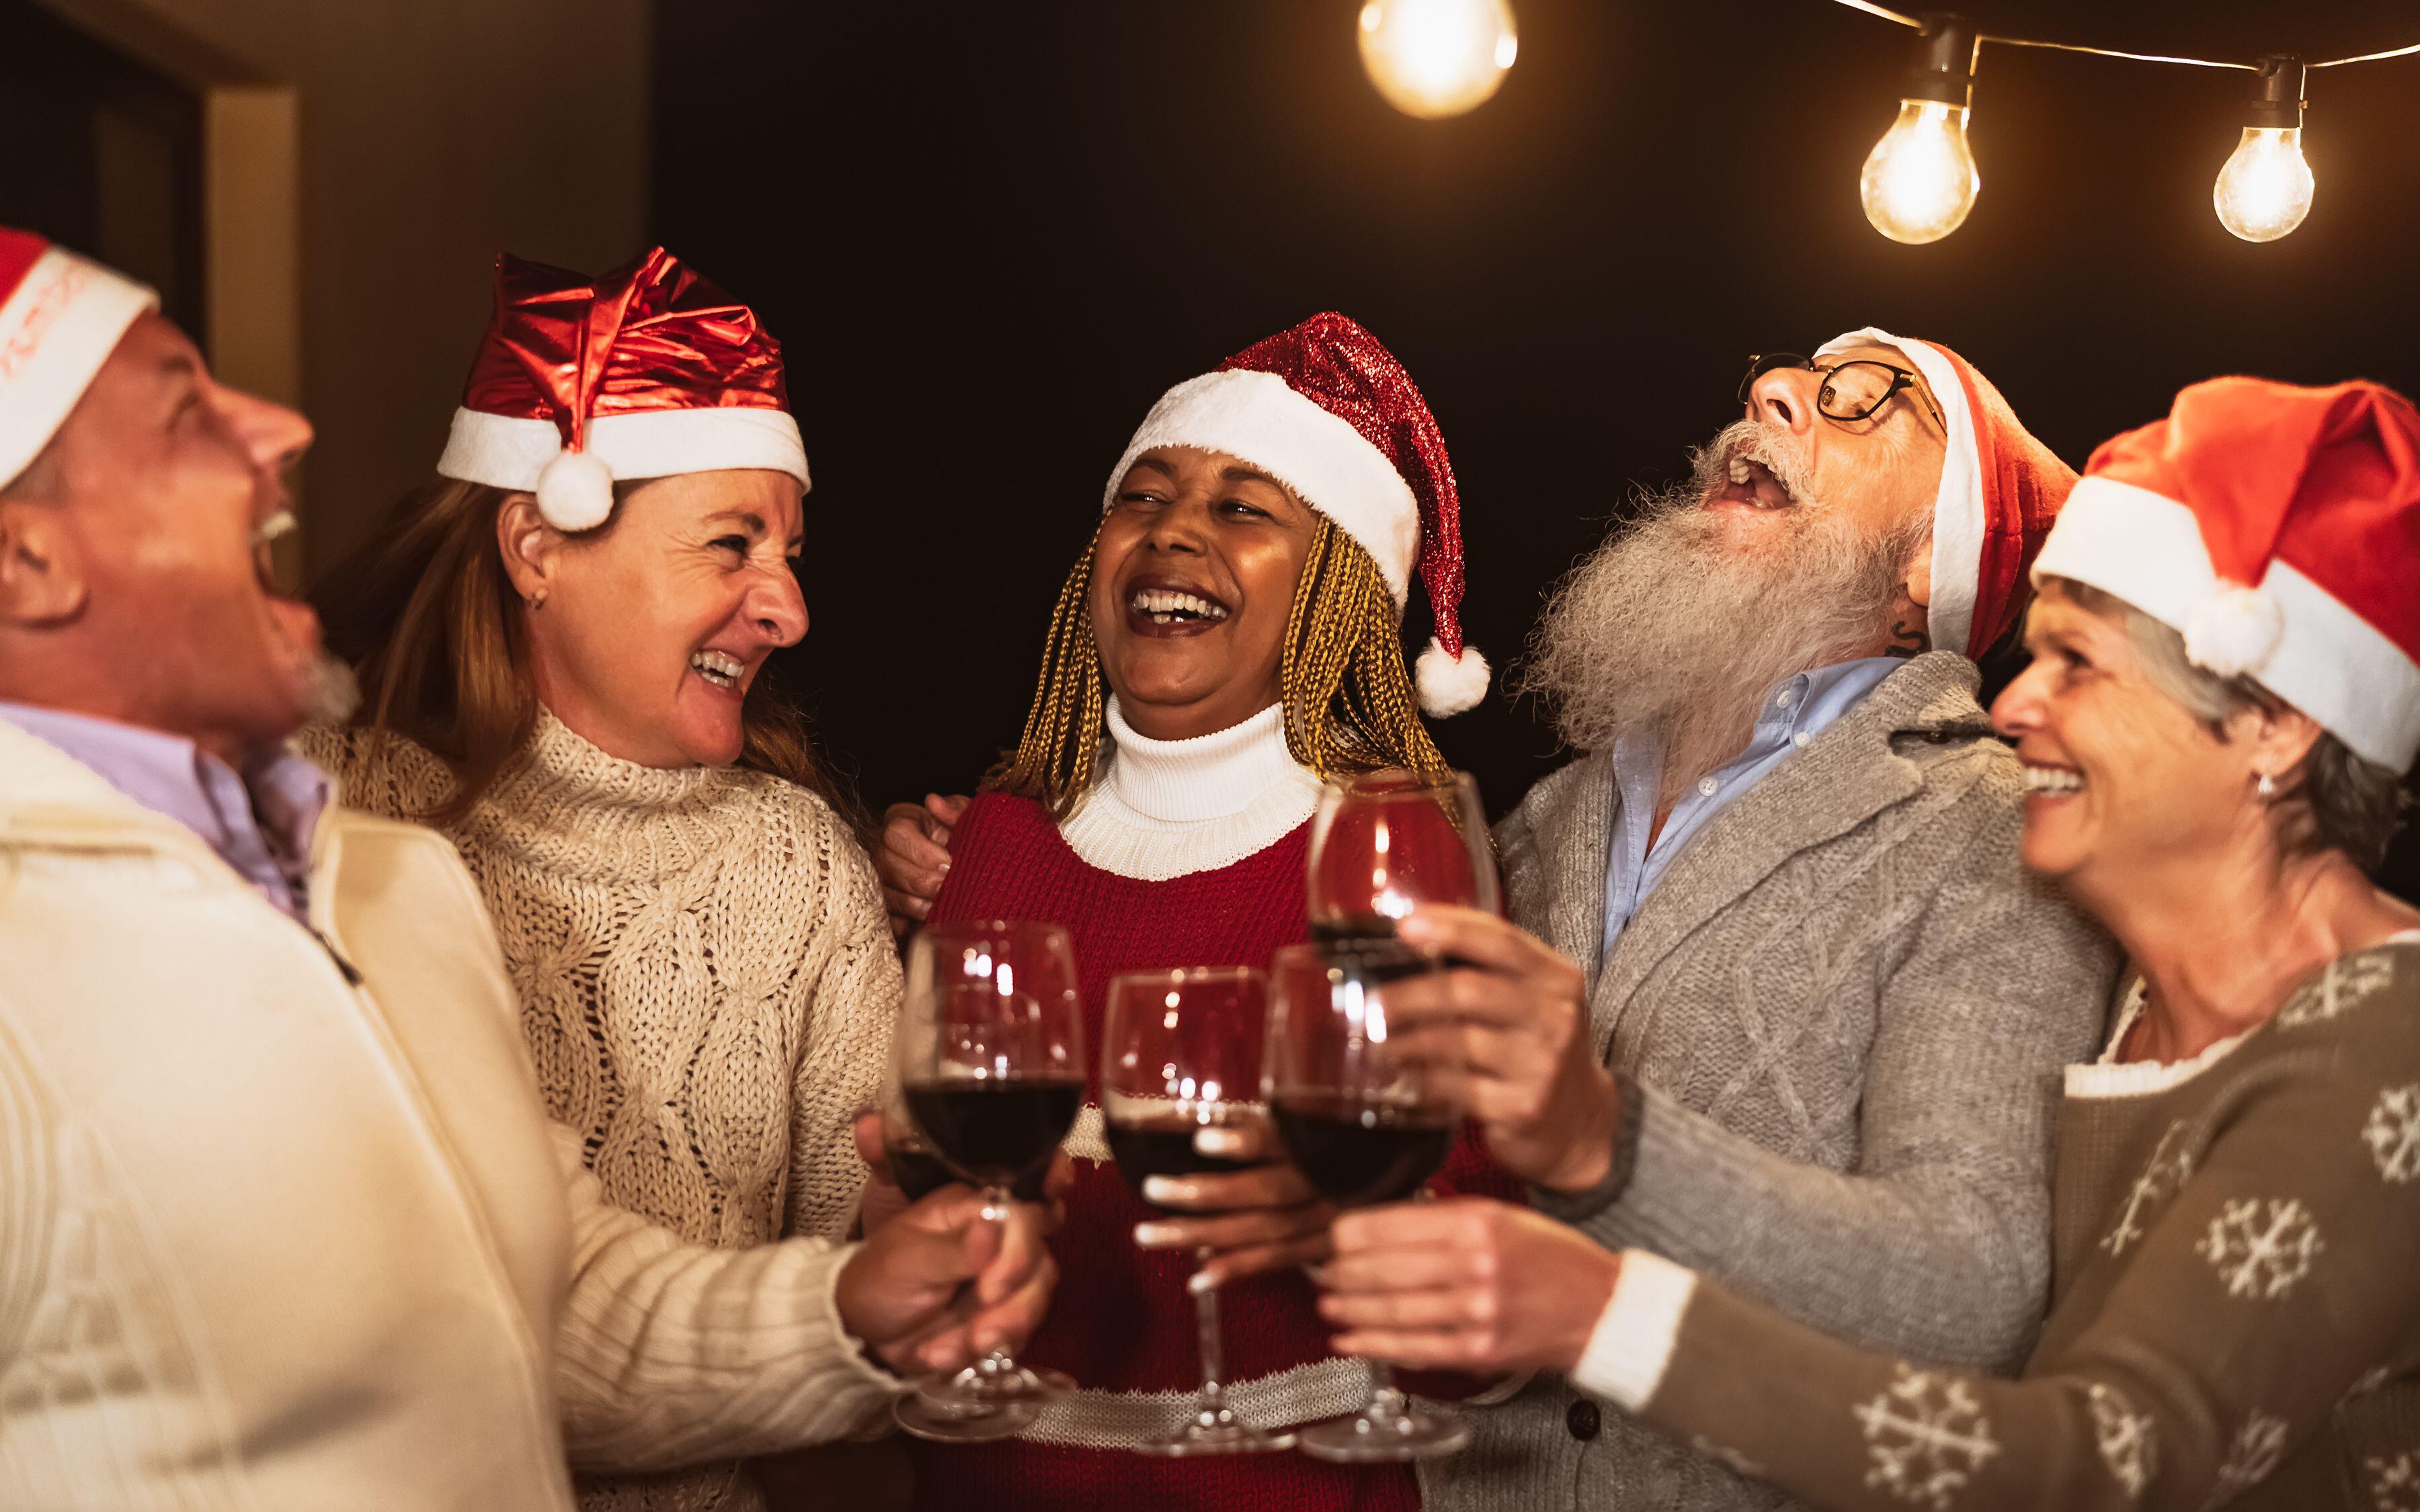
1165 809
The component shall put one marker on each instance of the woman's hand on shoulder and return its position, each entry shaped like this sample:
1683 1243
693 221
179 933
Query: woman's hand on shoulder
914 855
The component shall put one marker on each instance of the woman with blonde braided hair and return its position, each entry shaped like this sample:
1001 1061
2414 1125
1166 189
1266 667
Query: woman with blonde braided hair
1230 637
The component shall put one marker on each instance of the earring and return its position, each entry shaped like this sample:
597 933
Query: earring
537 600
2266 788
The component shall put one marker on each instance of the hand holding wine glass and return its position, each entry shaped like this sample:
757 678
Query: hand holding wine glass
989 1060
1181 1057
1366 1126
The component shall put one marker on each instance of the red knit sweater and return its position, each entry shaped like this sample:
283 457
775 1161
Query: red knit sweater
1122 1321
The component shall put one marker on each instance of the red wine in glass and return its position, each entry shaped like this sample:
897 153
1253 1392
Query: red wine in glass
1365 1126
988 1059
1181 1052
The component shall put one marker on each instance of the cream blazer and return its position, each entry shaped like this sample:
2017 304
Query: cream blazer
283 1223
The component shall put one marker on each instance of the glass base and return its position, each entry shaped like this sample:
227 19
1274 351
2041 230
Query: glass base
1383 1431
1216 1430
990 1399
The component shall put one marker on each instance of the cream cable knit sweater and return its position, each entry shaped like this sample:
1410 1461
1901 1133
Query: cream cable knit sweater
707 986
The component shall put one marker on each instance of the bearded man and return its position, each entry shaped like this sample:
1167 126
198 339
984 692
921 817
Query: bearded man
1787 1009
283 1223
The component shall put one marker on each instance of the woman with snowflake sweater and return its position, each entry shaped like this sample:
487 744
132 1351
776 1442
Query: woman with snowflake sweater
2226 686
1229 637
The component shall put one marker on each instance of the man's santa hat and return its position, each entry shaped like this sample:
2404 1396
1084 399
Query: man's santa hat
60 317
2279 529
643 372
1328 411
2000 489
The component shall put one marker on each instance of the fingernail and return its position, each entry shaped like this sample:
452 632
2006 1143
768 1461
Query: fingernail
945 866
1201 1282
1215 1141
1155 1236
1318 1274
1165 1190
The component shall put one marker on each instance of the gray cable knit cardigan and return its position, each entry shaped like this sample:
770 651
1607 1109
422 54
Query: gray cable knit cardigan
1840 1019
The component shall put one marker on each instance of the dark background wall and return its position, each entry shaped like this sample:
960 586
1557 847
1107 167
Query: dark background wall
990 236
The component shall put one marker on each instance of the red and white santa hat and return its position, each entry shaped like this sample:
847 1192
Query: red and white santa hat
60 317
2000 490
1326 411
2279 529
644 372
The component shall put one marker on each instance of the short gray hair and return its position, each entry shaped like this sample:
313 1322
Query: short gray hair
2331 800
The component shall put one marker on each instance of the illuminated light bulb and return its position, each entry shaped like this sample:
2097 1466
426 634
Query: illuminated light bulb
1920 181
2265 190
1434 59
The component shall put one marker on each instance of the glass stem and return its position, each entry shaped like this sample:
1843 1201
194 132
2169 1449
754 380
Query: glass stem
1384 1400
1213 1365
996 1208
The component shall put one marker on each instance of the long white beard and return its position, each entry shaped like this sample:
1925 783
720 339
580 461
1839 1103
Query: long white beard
1670 629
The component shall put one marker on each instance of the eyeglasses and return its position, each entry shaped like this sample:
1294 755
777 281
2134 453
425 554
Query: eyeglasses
1851 392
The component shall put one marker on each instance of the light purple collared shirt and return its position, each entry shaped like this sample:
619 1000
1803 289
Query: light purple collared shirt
259 821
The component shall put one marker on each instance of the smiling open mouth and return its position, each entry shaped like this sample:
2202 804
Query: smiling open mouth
2051 781
264 541
718 668
1167 606
1754 484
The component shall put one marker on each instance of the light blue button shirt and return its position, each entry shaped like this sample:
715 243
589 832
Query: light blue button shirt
1794 711
260 821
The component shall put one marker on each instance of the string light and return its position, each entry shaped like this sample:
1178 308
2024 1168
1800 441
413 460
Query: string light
1434 59
2265 190
1920 181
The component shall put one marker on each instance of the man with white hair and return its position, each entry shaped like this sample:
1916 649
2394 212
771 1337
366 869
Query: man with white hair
1780 892
283 1223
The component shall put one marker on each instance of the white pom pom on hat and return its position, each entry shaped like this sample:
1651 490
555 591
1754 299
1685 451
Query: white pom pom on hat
2274 527
1449 685
2234 631
575 492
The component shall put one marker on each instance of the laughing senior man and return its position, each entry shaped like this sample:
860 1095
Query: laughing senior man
283 1223
1779 898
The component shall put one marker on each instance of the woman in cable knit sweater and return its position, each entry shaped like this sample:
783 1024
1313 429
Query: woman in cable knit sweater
707 981
2226 688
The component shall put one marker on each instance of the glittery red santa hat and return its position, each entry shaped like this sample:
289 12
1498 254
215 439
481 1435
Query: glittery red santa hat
1326 411
2279 529
60 317
644 372
2000 489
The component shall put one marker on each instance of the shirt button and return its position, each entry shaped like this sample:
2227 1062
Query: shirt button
1801 739
1583 1420
1785 697
1706 786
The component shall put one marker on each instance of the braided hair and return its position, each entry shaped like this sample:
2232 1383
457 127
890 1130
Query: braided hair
1348 699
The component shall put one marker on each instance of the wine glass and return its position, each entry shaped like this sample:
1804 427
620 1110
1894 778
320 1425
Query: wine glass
1384 843
990 1057
919 1170
1181 1052
1365 1126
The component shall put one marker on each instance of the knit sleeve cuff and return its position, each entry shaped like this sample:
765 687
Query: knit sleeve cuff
1632 1344
1578 1207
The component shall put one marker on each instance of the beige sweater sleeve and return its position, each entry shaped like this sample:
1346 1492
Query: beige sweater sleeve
2275 1277
851 1002
670 1354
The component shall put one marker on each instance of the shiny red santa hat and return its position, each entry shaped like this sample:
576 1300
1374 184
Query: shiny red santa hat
644 372
60 317
2279 529
2000 490
1326 411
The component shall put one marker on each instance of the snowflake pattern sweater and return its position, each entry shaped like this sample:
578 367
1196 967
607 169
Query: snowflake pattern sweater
2236 1320
707 985
1188 853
